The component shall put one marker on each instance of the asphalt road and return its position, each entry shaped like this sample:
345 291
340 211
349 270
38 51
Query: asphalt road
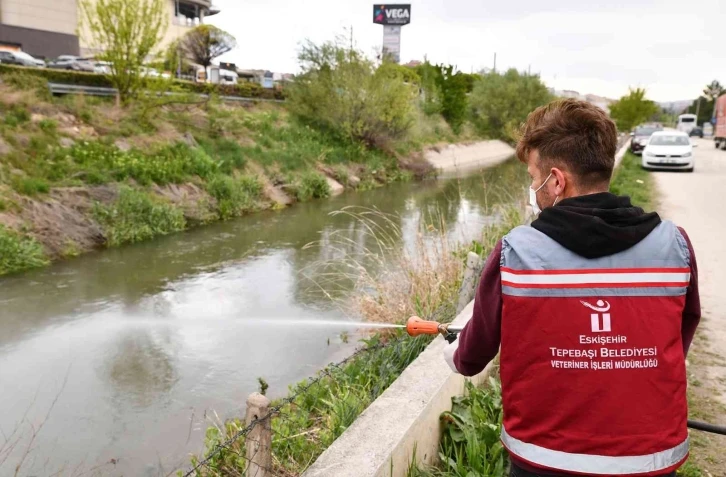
697 202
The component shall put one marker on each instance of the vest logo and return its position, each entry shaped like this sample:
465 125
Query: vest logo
599 322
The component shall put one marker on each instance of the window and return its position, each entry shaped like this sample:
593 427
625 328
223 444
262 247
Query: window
188 10
669 141
688 120
646 131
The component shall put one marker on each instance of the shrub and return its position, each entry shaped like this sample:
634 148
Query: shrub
311 185
27 81
137 216
341 91
501 102
29 186
234 195
18 252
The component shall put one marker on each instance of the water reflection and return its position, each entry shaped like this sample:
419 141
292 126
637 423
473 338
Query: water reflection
141 367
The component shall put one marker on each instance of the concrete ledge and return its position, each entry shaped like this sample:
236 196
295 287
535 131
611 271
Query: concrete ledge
621 153
460 158
381 442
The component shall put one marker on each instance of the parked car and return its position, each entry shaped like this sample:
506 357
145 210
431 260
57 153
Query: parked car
70 62
20 58
102 67
641 135
669 150
153 73
696 132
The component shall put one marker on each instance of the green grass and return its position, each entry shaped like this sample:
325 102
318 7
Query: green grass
137 216
632 180
19 252
321 413
30 186
234 196
310 185
470 443
227 152
16 116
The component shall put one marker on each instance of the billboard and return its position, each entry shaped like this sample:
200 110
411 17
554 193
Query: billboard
396 14
392 42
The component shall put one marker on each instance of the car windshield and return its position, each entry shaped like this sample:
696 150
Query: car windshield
24 56
688 120
645 131
669 141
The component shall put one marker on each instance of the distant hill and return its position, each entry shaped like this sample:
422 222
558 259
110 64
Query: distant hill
676 106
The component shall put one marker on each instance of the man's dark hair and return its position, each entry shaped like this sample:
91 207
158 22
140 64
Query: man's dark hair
574 134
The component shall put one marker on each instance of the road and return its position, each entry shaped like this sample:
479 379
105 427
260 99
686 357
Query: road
696 201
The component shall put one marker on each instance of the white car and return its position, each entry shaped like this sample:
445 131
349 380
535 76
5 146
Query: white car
20 58
669 150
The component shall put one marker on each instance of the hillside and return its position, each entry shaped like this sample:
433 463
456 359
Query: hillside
78 173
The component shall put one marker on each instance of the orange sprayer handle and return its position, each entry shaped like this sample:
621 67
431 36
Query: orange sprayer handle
416 326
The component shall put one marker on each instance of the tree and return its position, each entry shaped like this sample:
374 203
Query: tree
207 42
713 91
342 92
500 103
632 109
704 110
125 32
453 88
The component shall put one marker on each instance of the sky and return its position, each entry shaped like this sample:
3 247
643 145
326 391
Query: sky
672 48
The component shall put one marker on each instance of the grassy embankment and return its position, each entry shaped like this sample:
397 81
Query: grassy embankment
80 173
470 442
426 284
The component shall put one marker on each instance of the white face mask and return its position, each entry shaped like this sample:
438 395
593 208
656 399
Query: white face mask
533 196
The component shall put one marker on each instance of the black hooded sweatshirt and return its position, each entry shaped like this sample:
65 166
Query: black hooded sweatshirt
596 225
592 226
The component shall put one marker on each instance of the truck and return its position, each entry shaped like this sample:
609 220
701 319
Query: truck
719 132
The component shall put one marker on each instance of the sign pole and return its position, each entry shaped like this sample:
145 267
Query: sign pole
392 17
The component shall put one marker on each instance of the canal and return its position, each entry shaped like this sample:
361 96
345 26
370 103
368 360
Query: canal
120 359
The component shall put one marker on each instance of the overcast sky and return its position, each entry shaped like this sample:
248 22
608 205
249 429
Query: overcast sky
672 48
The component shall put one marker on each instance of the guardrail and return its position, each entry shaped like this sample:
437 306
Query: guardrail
61 89
58 88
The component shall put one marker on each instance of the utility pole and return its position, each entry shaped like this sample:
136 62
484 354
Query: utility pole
698 108
494 70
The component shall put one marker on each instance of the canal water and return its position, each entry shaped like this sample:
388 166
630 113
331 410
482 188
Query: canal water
118 360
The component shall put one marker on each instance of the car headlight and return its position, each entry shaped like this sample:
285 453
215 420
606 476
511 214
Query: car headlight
650 154
643 142
688 154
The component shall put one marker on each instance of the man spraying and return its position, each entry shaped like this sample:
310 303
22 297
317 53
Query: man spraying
595 306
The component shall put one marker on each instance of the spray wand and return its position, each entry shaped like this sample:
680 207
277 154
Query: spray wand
415 326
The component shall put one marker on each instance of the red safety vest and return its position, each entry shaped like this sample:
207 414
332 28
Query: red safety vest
592 365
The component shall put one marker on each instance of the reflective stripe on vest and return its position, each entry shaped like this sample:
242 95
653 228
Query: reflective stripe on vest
592 366
596 464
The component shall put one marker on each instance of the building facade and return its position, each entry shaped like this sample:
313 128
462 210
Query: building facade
49 28
43 28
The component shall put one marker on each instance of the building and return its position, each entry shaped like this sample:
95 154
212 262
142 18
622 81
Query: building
48 28
43 28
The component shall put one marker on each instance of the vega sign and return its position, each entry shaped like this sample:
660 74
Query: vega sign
392 14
